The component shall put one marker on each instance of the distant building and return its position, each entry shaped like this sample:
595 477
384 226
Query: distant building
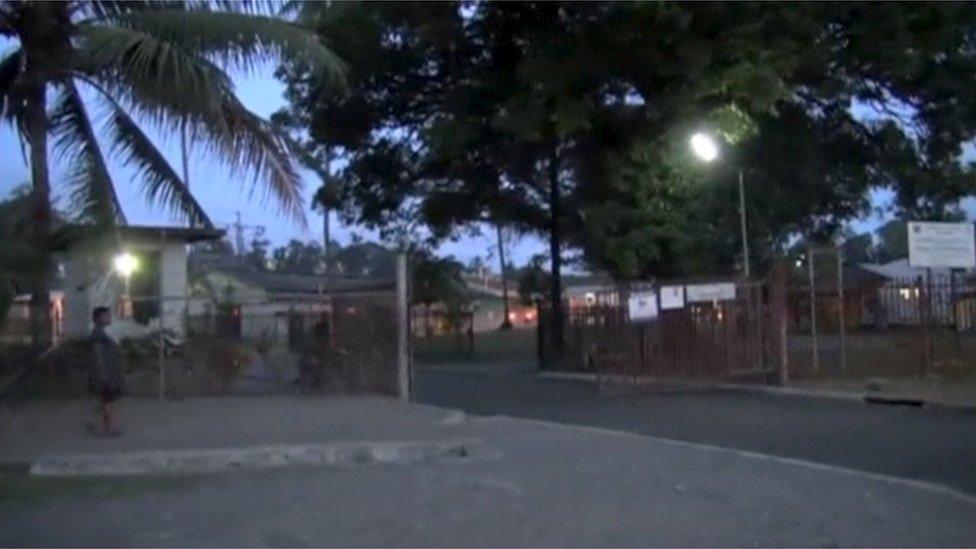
156 289
265 303
900 297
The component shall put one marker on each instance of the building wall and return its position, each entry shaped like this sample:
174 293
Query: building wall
90 282
173 285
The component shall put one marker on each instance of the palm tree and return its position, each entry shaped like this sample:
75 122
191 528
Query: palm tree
161 62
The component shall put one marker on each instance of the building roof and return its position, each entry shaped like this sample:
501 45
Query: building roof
70 234
276 283
900 269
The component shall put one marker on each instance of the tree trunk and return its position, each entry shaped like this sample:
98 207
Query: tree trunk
555 247
506 322
427 320
40 234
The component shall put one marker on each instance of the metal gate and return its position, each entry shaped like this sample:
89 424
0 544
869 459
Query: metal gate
725 337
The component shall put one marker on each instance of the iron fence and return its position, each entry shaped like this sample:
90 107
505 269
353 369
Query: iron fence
721 338
198 346
884 327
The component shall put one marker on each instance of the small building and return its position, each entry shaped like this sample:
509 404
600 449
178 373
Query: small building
265 304
907 291
155 290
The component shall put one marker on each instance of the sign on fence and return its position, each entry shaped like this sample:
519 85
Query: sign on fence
698 293
642 306
672 297
946 245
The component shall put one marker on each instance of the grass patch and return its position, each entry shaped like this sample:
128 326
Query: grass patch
517 345
22 488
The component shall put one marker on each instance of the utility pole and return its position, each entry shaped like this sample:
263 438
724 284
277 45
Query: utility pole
327 247
813 311
742 221
185 155
239 228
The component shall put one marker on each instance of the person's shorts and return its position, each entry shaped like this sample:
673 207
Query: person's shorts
105 392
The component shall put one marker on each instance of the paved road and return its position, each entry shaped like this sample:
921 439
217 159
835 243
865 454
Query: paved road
931 444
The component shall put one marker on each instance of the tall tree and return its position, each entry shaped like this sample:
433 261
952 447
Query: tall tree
545 116
503 270
155 61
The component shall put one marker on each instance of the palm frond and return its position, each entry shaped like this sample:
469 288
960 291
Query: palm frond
161 184
172 88
244 141
10 69
104 9
129 63
91 188
236 39
252 142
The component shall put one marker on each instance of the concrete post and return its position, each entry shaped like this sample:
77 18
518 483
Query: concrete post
813 311
779 314
843 320
160 341
403 327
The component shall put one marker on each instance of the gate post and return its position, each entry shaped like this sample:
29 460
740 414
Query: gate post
403 328
778 306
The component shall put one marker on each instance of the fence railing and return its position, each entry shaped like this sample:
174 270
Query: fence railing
722 338
884 327
196 346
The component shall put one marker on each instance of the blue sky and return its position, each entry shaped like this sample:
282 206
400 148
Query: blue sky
223 195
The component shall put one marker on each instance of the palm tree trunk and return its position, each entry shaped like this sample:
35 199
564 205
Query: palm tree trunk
506 322
555 246
40 305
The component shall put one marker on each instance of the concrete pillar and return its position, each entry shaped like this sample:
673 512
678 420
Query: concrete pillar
403 327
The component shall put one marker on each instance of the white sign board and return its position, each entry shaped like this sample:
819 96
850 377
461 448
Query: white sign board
721 291
642 306
672 297
947 245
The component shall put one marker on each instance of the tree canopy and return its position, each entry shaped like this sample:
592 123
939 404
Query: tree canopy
572 119
462 106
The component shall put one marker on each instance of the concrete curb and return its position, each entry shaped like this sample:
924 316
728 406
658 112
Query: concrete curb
677 385
339 454
864 397
480 372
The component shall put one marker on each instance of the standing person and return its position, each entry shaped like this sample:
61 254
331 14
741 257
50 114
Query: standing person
104 374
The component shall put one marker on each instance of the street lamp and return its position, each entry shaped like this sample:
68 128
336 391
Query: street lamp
706 149
125 264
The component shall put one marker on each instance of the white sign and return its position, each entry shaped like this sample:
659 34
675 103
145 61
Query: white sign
721 291
948 245
672 297
642 306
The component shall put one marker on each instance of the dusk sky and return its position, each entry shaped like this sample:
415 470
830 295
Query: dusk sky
223 194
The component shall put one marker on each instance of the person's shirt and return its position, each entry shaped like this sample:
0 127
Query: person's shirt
106 358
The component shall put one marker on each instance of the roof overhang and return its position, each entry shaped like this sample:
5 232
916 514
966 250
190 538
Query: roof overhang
69 235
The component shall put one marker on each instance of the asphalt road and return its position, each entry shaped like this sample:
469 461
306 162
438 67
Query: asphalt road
927 443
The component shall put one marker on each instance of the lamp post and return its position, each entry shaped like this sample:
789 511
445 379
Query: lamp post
125 264
706 149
